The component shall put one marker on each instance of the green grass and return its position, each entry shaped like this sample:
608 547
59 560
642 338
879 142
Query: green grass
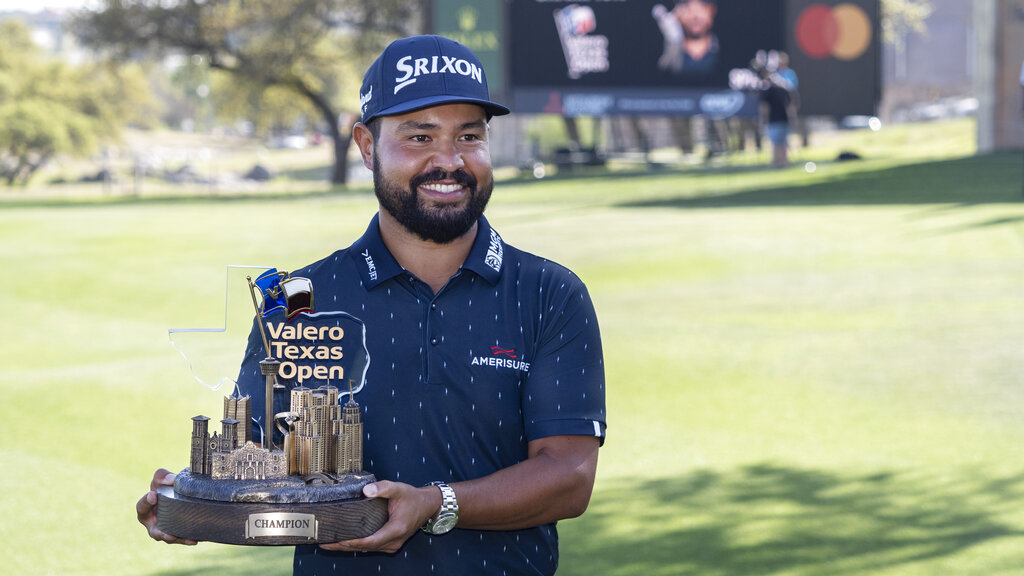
809 373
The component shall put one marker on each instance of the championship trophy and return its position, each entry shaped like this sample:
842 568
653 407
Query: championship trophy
305 488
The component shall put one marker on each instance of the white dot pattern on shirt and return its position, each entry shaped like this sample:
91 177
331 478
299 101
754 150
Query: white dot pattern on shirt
400 445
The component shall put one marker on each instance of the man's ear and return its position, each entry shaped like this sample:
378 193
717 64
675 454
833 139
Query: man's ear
364 140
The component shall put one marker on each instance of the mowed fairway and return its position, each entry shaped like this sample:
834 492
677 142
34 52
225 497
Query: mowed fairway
808 373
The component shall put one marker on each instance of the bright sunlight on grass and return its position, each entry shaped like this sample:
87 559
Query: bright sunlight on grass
808 373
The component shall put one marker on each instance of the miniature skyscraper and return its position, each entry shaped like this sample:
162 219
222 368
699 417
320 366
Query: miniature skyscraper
240 409
350 441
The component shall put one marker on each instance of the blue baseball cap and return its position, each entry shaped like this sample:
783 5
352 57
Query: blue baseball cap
423 71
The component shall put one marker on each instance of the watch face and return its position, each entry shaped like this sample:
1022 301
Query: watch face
444 523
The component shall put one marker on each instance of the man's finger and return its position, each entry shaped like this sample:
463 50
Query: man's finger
161 536
145 505
379 489
162 477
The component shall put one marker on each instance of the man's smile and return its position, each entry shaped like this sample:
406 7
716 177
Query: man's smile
439 188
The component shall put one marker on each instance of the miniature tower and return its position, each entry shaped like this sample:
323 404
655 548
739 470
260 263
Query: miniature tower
240 409
311 438
269 367
350 440
300 397
352 431
324 413
199 462
228 435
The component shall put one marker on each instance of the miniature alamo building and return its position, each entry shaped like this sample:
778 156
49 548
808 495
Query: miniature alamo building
323 437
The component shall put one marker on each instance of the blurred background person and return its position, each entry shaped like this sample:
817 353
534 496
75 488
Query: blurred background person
791 82
691 46
774 114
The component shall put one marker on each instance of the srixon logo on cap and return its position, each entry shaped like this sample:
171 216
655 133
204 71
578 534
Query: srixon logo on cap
411 69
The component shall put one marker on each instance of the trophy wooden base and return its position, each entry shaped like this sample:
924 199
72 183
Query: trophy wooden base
268 524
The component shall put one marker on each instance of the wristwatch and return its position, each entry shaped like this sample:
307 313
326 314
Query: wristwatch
448 516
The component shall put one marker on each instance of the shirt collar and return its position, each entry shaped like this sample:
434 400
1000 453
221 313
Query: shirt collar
376 264
373 260
487 255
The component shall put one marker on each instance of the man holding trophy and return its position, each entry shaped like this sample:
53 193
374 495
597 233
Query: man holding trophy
484 400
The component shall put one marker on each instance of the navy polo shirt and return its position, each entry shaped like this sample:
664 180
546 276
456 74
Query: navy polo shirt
508 351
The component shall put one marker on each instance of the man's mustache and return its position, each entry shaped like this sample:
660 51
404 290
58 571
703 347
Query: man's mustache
460 176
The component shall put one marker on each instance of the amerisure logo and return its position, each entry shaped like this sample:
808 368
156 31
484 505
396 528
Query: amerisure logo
502 358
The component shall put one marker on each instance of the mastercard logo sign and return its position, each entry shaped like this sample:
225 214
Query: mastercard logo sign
842 31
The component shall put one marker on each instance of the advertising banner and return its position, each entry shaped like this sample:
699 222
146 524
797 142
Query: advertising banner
478 24
834 47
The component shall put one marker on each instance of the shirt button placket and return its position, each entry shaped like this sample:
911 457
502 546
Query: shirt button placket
434 339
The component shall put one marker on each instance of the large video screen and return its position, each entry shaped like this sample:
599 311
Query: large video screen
638 42
678 57
635 56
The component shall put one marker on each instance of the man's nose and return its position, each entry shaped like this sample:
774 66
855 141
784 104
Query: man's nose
448 157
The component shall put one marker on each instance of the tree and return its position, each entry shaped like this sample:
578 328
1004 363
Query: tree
314 48
902 17
48 108
271 109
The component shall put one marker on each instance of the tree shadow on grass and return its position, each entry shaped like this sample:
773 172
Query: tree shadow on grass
757 520
993 178
770 519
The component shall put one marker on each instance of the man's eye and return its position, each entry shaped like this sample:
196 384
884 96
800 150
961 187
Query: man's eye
420 138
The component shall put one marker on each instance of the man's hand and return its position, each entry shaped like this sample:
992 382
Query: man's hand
408 509
146 509
552 484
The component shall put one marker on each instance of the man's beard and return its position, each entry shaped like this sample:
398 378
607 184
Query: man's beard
440 224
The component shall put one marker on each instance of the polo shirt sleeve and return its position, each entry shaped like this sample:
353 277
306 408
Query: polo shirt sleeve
564 391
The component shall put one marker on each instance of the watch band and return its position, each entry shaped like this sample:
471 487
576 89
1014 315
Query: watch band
447 516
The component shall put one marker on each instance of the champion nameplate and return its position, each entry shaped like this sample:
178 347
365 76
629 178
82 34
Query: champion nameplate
281 524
